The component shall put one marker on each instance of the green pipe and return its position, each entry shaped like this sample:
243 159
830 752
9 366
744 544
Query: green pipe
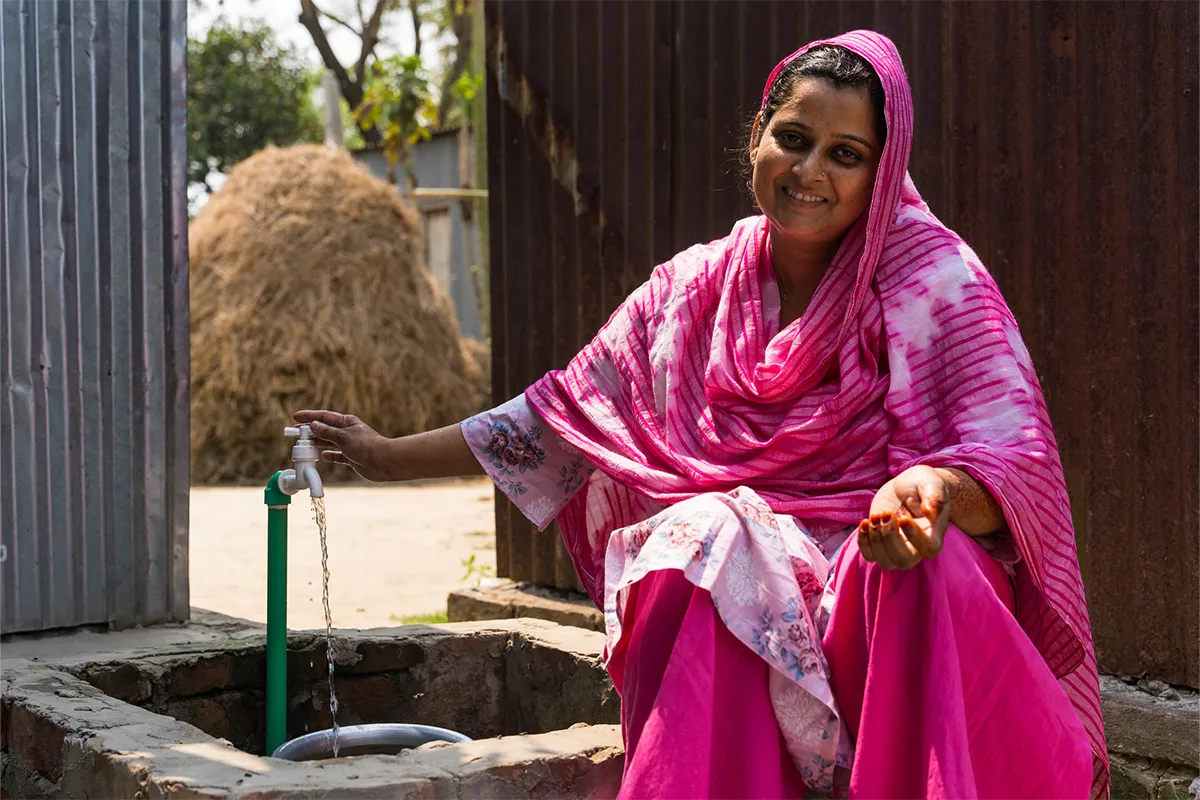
277 520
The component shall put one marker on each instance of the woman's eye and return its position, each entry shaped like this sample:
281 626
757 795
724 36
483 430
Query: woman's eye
846 154
791 139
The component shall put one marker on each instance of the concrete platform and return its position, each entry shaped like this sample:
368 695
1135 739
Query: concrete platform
204 626
186 720
509 600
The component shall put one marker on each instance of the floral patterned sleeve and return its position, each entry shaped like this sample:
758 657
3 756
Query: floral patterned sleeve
535 468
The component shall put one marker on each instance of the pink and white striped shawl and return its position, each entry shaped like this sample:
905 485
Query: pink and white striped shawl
907 355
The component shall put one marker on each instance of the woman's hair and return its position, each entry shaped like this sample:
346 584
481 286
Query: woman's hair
841 67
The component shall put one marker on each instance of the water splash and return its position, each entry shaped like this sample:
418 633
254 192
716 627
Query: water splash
318 507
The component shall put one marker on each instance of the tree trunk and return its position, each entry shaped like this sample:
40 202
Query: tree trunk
414 10
406 156
463 24
352 88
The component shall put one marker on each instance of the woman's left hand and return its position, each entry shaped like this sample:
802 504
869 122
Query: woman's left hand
908 519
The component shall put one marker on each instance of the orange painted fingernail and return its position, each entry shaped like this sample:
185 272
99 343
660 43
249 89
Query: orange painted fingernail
886 519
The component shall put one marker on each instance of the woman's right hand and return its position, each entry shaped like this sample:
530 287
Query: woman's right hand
346 439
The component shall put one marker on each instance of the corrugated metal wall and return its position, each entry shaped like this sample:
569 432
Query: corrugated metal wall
435 162
94 359
1058 138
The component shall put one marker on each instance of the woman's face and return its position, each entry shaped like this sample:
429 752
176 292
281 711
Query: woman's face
814 167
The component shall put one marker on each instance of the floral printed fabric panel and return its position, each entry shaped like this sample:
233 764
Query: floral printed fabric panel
767 579
535 468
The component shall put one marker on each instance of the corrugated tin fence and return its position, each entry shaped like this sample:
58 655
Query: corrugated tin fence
94 359
1058 138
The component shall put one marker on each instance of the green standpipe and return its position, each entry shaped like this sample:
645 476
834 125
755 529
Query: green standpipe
277 519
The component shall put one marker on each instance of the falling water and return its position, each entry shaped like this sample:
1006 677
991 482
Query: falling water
318 505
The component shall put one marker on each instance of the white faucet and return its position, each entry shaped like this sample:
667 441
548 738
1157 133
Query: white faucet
306 455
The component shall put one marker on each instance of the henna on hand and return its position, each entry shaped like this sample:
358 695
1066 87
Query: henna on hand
972 507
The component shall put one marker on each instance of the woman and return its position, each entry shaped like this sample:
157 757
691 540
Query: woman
807 472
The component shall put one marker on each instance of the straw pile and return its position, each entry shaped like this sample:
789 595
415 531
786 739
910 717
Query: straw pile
308 291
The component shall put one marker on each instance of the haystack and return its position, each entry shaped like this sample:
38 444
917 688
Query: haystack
308 290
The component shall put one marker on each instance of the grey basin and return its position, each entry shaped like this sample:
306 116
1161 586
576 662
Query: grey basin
384 738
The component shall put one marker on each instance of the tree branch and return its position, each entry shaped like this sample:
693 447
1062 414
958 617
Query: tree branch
414 9
340 21
370 38
352 89
310 19
462 54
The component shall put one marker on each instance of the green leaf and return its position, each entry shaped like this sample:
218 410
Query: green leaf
397 100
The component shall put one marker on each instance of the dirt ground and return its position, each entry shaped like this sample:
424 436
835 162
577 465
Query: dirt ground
394 551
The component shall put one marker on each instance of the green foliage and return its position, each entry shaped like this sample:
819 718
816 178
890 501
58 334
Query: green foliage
464 90
245 90
398 103
474 568
467 86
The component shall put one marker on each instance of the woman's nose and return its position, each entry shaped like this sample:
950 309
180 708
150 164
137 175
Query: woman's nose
809 168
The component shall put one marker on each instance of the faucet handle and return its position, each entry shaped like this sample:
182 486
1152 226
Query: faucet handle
299 432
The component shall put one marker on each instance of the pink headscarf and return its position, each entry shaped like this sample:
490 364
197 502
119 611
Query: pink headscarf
907 355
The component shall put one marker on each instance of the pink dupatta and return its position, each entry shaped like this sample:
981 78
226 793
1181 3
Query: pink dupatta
907 355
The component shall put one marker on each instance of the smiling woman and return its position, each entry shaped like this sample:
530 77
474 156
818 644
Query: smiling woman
819 567
814 149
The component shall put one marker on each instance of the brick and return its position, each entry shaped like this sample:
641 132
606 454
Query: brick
1131 780
366 699
5 712
238 716
385 657
548 689
35 743
205 713
464 692
1138 724
305 664
16 782
471 605
522 600
361 699
227 670
98 774
124 681
1138 778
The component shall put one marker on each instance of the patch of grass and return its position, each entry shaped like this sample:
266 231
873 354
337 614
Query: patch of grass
473 568
429 618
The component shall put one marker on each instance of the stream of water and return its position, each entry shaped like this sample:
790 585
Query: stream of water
318 506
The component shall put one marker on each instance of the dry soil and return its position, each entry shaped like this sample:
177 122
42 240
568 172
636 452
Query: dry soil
394 551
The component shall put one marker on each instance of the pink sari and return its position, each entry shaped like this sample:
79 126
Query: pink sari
907 355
